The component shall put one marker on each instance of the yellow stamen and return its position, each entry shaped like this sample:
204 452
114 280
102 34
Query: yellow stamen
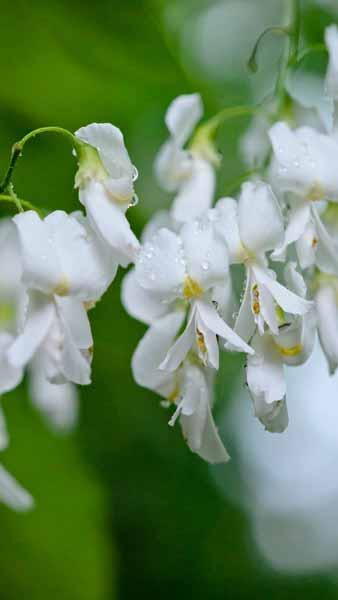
317 192
200 341
62 288
292 351
255 296
191 288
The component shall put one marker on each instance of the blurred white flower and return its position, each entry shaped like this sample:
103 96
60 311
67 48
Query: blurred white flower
189 173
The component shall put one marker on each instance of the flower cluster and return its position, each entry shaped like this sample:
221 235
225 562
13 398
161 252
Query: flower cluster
277 241
182 285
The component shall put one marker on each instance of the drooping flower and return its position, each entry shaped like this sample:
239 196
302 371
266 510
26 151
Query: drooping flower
105 180
179 272
65 268
292 346
187 172
304 168
251 228
188 389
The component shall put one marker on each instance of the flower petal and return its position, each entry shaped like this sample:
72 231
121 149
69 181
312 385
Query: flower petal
260 219
109 221
160 266
12 494
265 371
178 351
213 321
196 193
327 249
140 303
327 313
205 253
151 350
109 142
289 301
40 315
331 40
298 219
226 224
10 376
41 267
182 115
58 403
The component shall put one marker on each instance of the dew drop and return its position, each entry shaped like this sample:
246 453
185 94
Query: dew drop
205 265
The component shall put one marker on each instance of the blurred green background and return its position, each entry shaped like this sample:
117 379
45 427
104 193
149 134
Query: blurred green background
124 510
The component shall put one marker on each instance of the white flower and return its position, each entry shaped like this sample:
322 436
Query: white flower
292 346
64 268
255 143
11 493
327 313
305 167
331 40
178 272
189 173
252 227
189 388
106 187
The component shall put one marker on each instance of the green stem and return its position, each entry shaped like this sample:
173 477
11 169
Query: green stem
252 63
18 148
208 129
290 54
18 202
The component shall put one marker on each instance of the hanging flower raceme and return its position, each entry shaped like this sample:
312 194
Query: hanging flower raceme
65 270
189 173
105 180
251 228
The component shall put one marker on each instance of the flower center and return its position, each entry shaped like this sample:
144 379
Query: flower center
62 288
292 351
316 192
191 288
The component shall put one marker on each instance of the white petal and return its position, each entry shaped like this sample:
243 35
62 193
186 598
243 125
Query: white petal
306 161
72 312
298 219
12 494
10 376
327 312
58 403
306 248
265 372
172 166
210 341
245 324
160 265
268 309
196 193
226 224
205 253
109 142
199 428
213 321
254 143
40 315
327 248
87 265
289 301
182 115
273 416
109 222
41 268
4 437
161 219
260 219
140 303
152 349
331 40
178 351
294 280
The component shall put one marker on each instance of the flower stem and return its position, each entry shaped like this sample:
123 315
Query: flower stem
17 149
20 204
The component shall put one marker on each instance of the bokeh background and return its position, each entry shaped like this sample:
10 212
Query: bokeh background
123 509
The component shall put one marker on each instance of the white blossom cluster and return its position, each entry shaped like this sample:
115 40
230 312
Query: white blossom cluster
282 228
279 236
